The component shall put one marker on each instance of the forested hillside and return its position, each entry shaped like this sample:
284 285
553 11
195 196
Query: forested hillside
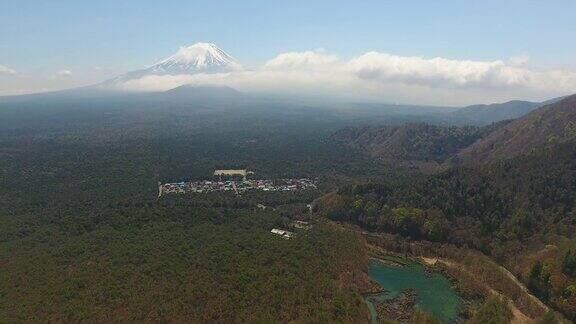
423 145
519 210
503 202
409 142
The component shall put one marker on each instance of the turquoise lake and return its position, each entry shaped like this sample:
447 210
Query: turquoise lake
435 294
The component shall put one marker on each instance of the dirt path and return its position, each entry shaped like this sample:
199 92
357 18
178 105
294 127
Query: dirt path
521 285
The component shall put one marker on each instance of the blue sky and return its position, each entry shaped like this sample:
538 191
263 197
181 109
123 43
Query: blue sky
45 36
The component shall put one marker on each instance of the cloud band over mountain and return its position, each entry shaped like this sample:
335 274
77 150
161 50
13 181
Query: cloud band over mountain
383 76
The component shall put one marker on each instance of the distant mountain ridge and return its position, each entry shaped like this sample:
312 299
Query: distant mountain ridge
544 127
486 114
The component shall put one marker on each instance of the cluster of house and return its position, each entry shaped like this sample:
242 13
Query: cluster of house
276 185
238 186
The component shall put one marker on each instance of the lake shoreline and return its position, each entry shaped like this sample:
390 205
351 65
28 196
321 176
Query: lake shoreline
409 287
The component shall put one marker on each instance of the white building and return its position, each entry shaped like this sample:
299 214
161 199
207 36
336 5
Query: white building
285 234
228 173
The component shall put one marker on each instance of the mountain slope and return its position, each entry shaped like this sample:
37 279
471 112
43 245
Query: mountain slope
204 91
545 127
202 94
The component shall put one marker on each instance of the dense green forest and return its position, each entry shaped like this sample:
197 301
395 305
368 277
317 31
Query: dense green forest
108 154
174 263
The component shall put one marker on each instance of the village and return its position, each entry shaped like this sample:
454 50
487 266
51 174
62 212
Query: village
237 186
238 183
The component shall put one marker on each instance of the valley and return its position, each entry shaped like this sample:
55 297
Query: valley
452 206
137 206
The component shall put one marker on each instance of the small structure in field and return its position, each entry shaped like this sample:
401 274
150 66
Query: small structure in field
301 225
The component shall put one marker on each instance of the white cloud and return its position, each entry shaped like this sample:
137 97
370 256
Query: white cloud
385 77
64 73
438 72
299 60
4 70
454 74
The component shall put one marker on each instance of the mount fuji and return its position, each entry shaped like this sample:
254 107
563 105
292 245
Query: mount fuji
197 58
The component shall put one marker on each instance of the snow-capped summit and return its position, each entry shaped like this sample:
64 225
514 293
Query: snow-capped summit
197 58
200 57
